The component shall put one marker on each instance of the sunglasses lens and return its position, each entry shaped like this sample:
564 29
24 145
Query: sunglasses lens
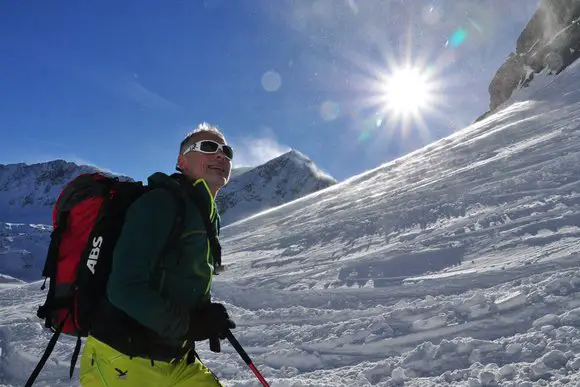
208 146
228 151
212 147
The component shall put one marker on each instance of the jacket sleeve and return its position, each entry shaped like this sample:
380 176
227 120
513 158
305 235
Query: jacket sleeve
147 227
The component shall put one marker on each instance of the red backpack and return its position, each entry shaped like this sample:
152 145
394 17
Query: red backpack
87 220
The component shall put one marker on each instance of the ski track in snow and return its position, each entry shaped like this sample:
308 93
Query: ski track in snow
455 265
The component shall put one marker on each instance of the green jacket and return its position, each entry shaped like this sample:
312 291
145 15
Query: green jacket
161 296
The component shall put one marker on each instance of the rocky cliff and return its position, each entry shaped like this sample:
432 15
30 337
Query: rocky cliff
548 44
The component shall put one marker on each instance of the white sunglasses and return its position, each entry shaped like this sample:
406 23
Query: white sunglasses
209 146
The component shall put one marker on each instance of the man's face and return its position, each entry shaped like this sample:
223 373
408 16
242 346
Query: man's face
214 168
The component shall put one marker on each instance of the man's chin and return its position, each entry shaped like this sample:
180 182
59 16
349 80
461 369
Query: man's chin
216 181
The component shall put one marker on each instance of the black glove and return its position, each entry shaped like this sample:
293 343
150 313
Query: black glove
210 321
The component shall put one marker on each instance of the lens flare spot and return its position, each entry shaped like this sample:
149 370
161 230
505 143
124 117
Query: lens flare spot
363 136
271 81
457 38
329 110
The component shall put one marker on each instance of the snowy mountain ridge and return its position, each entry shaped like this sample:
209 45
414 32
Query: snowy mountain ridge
28 192
278 181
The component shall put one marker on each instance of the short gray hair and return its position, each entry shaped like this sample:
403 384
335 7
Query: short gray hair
203 127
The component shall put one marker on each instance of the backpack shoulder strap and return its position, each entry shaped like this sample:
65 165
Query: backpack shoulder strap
216 249
178 221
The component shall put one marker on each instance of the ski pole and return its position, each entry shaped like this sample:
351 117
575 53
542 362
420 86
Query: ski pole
246 358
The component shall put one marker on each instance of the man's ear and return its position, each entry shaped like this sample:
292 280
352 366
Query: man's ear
181 162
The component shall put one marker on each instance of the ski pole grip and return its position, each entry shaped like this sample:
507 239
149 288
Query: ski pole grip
214 344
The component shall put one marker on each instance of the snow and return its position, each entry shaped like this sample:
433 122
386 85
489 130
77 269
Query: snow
23 248
455 265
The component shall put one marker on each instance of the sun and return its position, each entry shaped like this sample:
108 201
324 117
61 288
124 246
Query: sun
408 92
404 98
401 97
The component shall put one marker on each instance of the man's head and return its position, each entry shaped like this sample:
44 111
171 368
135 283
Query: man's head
201 155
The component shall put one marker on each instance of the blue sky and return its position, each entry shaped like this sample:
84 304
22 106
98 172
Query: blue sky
118 83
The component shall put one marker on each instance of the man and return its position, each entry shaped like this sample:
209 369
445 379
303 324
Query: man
159 300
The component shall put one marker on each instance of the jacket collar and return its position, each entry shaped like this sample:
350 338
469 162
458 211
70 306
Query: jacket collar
201 184
198 190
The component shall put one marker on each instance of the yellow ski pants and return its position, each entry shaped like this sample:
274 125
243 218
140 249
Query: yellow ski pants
103 366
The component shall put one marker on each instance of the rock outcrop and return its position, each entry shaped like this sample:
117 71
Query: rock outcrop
549 43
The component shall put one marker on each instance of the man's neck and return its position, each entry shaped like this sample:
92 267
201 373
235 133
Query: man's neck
213 190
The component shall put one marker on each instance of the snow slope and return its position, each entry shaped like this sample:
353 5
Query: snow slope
456 265
23 249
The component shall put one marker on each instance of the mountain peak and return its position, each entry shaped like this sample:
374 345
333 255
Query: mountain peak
284 178
295 154
298 160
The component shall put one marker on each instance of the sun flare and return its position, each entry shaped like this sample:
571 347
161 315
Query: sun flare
403 98
407 92
400 98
